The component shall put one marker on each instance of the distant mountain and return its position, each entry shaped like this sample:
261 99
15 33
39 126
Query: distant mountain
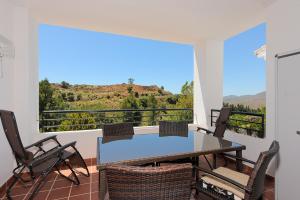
253 101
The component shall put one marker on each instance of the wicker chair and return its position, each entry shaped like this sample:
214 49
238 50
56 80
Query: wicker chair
38 161
119 129
226 184
172 182
173 128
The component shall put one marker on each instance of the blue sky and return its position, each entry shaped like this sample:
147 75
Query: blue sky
86 57
244 73
79 56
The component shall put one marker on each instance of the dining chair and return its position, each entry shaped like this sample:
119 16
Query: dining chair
118 129
220 125
170 182
38 161
226 184
220 128
173 128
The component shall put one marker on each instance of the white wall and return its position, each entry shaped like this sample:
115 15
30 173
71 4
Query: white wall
208 80
19 78
6 87
283 35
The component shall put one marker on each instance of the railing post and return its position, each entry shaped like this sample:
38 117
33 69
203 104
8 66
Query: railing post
263 124
211 117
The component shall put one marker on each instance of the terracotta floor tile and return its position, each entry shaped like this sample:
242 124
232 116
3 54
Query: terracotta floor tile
80 197
81 189
95 187
95 196
61 184
47 186
95 177
270 195
94 161
20 191
41 195
83 179
59 193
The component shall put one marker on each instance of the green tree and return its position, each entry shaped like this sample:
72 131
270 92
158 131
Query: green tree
131 102
79 97
152 103
71 96
78 121
65 85
160 92
47 98
130 81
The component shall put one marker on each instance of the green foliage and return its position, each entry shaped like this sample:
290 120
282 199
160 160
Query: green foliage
82 97
172 99
249 125
129 89
70 96
47 98
130 81
187 88
185 99
65 85
131 102
79 97
160 92
77 121
136 95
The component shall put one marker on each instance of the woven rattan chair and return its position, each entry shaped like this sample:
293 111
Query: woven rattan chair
172 182
119 129
36 160
226 184
173 128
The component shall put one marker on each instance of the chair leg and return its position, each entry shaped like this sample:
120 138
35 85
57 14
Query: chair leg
208 162
8 191
261 197
41 183
76 181
84 165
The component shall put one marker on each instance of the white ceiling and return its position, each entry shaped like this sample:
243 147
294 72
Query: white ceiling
186 21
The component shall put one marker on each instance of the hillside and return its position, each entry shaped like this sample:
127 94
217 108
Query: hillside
253 101
105 96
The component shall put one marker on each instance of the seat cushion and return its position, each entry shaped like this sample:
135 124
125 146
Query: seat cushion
231 174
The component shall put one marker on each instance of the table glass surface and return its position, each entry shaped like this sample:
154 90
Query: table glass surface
138 146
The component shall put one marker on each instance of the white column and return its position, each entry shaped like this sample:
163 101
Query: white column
208 80
26 74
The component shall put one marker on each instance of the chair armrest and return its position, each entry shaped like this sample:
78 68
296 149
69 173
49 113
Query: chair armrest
239 158
204 129
223 178
40 142
51 154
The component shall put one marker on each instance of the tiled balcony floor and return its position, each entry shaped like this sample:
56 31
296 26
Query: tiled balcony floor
59 188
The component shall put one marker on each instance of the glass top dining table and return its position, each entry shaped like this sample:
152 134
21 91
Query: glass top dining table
140 149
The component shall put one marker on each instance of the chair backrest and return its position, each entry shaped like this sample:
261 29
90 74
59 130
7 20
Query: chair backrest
221 123
173 128
118 129
257 177
171 182
12 134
